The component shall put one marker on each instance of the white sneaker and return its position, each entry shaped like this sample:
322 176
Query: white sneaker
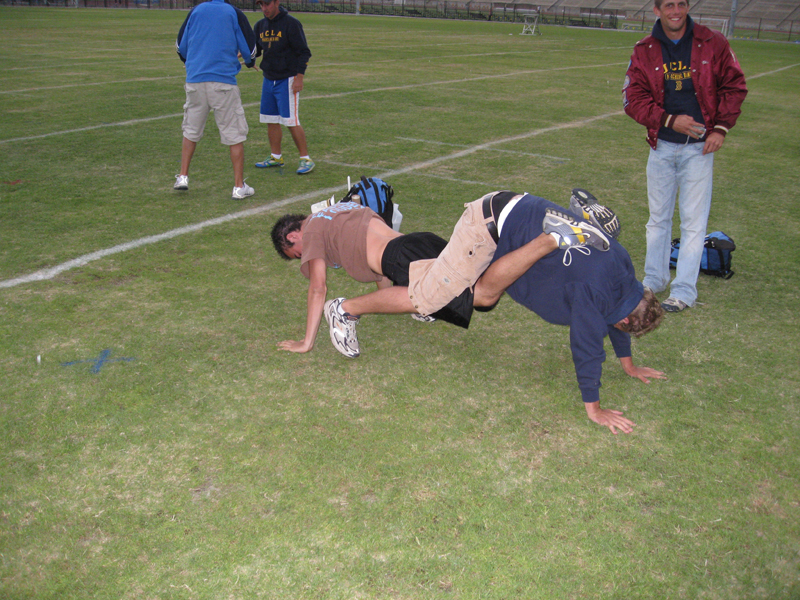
181 182
342 328
240 193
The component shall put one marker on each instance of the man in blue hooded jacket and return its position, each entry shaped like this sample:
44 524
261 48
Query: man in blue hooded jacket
210 41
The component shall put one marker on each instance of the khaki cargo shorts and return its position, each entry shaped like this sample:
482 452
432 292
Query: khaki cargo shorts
434 283
226 102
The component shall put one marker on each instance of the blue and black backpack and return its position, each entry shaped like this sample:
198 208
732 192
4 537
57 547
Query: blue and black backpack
376 194
716 258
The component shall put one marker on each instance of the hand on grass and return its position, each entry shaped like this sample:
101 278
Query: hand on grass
612 419
294 346
644 374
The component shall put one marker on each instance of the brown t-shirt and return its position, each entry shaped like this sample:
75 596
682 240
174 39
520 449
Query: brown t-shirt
338 235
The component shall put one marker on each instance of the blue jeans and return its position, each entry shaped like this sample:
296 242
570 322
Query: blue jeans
674 169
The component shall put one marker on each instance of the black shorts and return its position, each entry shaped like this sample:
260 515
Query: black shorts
405 249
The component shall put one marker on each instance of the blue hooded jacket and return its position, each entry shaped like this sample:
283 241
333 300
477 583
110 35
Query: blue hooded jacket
210 39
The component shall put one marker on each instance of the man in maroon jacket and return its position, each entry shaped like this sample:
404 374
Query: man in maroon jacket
685 86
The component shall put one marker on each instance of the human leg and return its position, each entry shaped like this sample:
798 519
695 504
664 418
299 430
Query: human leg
237 159
392 300
695 172
662 190
270 113
507 269
195 113
299 137
275 135
226 101
187 152
433 284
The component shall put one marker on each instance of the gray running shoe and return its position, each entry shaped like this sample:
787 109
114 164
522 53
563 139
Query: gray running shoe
572 232
342 328
585 204
674 305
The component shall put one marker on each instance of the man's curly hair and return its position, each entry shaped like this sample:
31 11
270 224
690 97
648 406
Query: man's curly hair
284 226
645 317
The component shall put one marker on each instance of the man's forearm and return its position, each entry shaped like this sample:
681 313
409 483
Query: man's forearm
316 304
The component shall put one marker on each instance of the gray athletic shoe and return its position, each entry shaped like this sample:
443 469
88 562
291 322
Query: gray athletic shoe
585 204
342 328
572 232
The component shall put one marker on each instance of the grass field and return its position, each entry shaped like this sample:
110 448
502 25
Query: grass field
190 459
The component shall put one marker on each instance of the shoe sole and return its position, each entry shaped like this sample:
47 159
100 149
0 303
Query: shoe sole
263 166
586 202
568 220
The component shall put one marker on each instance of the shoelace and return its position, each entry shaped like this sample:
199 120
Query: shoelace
567 260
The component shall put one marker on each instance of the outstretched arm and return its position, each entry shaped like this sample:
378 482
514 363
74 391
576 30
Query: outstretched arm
317 292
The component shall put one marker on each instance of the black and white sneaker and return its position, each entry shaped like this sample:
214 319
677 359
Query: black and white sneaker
585 204
571 233
423 318
342 328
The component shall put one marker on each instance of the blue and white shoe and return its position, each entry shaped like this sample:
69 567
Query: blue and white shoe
270 162
306 166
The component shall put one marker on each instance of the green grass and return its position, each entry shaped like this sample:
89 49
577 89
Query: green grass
442 463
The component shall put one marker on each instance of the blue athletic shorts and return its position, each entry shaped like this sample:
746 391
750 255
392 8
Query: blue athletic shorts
278 103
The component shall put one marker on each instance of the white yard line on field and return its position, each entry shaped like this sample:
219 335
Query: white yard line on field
45 274
93 83
317 97
751 77
434 143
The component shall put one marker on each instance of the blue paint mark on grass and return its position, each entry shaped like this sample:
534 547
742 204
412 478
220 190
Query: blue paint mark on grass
97 363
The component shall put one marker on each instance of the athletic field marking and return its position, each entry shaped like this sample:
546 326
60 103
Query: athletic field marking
45 274
433 143
342 94
773 72
70 85
318 97
428 175
97 363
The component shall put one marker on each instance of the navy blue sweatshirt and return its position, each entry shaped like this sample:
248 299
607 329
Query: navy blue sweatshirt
590 295
679 93
282 41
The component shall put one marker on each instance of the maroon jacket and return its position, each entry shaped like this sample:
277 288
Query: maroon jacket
718 82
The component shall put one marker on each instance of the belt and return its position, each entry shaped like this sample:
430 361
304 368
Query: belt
492 207
487 214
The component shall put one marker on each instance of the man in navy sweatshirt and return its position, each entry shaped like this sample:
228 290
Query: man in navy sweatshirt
210 41
282 42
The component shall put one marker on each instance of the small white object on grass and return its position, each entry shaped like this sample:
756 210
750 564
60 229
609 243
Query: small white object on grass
38 359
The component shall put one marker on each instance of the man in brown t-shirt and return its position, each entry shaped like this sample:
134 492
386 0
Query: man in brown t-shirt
353 237
350 236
